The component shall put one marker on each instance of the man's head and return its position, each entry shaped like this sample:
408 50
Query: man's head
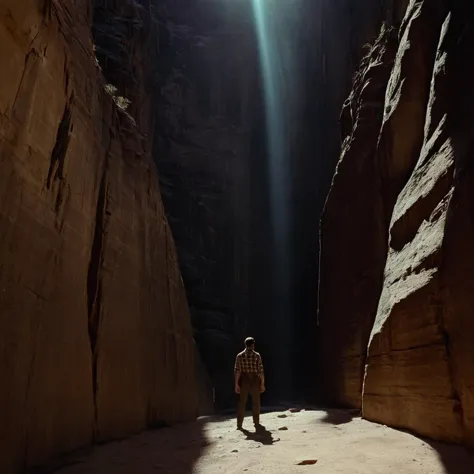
250 343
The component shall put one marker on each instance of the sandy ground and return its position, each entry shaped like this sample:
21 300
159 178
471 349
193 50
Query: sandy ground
339 443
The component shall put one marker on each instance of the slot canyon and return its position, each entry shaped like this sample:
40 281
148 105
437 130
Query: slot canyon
176 175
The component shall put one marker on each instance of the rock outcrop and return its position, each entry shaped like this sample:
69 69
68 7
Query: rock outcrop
96 340
395 307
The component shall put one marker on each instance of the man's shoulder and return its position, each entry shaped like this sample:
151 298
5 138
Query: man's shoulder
244 352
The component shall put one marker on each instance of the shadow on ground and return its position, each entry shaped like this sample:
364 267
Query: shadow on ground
456 459
339 417
170 450
260 435
231 412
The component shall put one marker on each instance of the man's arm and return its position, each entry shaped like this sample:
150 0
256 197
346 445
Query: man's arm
237 377
261 374
237 371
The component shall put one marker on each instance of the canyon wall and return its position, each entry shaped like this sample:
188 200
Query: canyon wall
96 340
395 315
343 28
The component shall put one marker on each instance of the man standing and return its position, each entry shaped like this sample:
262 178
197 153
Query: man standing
249 378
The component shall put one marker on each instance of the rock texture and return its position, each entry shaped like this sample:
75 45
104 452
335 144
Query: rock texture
96 340
352 259
401 294
333 35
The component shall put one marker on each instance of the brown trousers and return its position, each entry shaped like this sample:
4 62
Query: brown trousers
249 384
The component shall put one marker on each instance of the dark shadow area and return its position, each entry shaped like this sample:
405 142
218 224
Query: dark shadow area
260 435
339 417
456 459
174 449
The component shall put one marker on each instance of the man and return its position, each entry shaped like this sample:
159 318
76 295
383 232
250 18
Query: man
249 378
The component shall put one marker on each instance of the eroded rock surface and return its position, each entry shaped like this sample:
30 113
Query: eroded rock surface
417 221
96 340
353 259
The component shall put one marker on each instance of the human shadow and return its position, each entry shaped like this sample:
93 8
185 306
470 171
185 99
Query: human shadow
260 435
339 417
174 449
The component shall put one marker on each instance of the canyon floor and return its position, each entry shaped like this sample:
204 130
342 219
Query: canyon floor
339 442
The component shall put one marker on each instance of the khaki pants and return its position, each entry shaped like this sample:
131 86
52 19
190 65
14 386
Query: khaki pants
249 383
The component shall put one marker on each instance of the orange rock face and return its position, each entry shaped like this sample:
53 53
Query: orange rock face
96 341
404 284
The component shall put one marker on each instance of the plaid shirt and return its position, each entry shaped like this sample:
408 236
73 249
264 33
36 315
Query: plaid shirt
248 362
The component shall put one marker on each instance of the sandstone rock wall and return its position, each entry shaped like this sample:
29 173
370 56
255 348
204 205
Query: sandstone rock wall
352 237
95 341
333 35
396 305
